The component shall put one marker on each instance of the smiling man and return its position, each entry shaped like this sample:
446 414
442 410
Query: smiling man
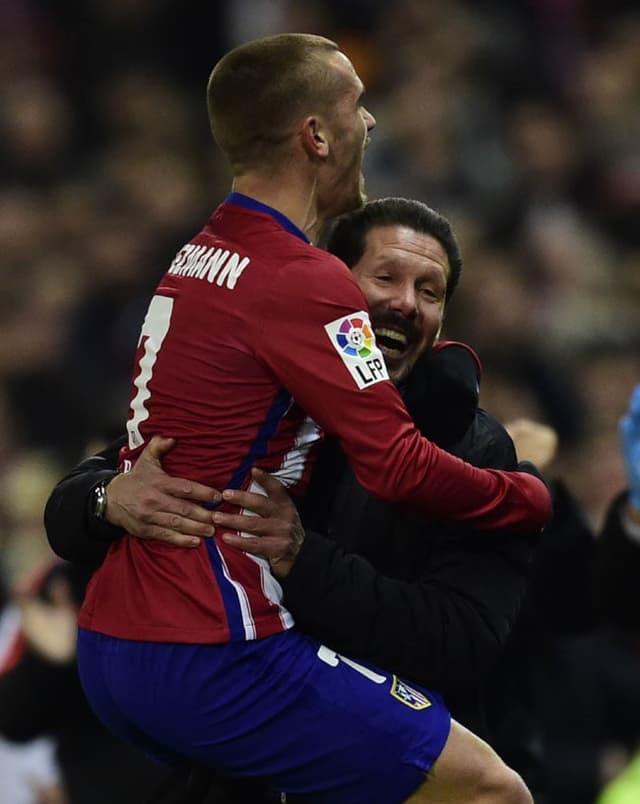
406 262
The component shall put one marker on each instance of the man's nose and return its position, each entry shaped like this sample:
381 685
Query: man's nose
405 301
369 119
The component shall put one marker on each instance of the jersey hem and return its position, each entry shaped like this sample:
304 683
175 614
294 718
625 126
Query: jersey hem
181 635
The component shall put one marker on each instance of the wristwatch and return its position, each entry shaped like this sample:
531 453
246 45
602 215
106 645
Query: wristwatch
98 499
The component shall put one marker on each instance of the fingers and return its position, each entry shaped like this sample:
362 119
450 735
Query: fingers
151 505
279 551
134 504
265 547
183 524
276 502
148 470
258 503
178 538
274 549
190 490
251 524
164 519
157 448
270 484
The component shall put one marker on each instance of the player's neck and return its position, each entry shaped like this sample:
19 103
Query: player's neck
295 200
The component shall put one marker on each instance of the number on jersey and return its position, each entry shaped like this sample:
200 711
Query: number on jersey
154 330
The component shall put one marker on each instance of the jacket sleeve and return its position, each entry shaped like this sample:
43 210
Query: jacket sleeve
72 533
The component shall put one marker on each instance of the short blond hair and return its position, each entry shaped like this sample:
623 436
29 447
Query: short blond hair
257 91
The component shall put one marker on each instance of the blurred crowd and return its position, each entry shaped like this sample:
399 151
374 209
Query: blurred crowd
519 121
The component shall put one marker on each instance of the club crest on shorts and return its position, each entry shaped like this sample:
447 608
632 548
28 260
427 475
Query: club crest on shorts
408 696
353 339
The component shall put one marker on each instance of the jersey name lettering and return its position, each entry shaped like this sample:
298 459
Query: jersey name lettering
213 264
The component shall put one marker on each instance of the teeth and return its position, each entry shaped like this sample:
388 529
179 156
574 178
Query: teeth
393 335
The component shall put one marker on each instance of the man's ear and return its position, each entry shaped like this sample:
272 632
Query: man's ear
313 135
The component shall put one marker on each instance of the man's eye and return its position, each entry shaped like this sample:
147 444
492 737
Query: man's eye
383 278
428 293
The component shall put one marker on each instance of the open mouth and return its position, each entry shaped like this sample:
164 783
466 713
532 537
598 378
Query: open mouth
391 342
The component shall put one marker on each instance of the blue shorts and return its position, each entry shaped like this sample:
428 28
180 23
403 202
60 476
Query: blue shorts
285 709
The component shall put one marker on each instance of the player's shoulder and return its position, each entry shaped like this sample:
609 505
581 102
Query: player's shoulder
312 265
313 284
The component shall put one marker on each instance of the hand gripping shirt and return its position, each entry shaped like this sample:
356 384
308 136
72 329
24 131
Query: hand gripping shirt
254 341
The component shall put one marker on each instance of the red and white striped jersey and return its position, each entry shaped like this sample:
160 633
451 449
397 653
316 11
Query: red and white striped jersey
254 340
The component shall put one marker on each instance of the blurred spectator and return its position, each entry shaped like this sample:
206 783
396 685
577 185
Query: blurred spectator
29 773
50 740
575 656
29 770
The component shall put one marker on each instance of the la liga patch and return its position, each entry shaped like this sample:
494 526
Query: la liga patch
353 339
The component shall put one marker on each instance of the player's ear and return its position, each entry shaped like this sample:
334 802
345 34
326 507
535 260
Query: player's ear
313 135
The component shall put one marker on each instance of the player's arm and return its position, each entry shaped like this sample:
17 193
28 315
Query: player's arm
95 505
324 353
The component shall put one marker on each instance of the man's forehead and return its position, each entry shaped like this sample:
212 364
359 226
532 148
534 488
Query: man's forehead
400 243
345 69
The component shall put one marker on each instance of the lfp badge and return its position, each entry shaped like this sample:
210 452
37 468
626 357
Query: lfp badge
353 339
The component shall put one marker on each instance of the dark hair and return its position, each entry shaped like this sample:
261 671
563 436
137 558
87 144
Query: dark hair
345 237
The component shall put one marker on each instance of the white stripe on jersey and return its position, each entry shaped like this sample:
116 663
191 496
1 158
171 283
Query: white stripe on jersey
247 620
271 589
295 460
290 473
